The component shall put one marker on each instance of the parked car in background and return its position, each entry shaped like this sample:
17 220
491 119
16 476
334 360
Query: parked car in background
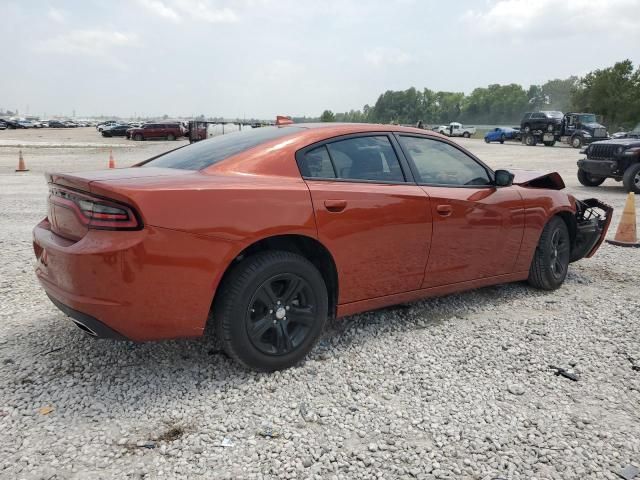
168 131
14 124
267 233
56 124
441 129
26 123
3 125
44 123
500 134
70 123
617 158
548 121
456 129
635 133
116 131
107 124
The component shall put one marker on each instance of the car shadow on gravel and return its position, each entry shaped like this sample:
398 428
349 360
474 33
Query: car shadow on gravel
70 364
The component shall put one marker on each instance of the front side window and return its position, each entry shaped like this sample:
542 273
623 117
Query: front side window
438 163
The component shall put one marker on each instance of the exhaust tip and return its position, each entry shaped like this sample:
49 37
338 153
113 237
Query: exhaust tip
85 329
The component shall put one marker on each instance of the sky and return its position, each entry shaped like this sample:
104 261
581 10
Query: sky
262 58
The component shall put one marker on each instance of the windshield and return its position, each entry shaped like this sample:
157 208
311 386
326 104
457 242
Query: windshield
205 153
589 118
554 114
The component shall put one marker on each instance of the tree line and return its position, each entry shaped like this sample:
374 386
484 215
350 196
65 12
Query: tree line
613 93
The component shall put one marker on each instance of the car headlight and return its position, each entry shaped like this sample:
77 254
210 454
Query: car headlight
632 151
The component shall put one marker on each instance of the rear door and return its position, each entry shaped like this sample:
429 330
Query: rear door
477 227
375 221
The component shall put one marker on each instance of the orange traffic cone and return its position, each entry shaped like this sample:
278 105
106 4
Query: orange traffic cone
627 236
21 165
112 162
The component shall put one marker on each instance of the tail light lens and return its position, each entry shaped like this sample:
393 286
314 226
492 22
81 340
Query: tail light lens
95 212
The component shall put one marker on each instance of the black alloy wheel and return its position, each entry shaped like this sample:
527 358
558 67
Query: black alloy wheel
552 256
271 310
281 313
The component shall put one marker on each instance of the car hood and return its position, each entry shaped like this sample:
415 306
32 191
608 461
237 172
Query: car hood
532 179
592 125
625 142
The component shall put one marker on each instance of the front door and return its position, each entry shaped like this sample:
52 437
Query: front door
375 223
477 227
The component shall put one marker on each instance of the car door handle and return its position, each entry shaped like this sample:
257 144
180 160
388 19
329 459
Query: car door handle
444 210
335 205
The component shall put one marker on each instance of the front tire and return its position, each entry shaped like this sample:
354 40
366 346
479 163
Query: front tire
171 137
466 135
137 137
576 141
588 180
631 178
551 260
271 310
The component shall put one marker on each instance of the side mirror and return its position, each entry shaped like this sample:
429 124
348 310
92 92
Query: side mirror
504 178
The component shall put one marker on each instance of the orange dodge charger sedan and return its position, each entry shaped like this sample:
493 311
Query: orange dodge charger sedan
266 233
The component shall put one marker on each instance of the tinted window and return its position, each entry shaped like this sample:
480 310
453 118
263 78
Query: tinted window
439 163
317 164
366 158
208 152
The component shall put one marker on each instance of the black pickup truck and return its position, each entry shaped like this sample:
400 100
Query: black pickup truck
618 159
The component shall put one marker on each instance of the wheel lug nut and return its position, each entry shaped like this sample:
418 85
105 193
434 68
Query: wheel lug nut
287 307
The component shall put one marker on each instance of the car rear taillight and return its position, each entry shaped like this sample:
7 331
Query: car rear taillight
95 212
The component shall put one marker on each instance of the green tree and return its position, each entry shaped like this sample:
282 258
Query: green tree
612 92
327 116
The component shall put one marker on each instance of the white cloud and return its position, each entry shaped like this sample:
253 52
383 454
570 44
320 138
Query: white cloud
199 10
89 43
56 15
524 18
379 57
159 8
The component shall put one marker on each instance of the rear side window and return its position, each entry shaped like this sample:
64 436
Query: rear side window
359 158
209 152
317 164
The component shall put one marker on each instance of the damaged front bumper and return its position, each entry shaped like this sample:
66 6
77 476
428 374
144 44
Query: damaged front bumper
592 222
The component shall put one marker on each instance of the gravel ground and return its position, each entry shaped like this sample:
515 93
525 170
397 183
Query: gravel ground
454 387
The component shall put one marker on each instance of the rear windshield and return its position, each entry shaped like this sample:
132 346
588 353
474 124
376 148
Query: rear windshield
205 153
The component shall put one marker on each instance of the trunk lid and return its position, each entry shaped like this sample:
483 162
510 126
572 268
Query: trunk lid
66 220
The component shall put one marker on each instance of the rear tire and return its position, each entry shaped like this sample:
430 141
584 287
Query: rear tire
502 138
551 260
588 180
631 178
171 137
486 140
466 134
271 310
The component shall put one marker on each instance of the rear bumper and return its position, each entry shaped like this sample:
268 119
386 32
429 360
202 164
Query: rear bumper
90 325
149 284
